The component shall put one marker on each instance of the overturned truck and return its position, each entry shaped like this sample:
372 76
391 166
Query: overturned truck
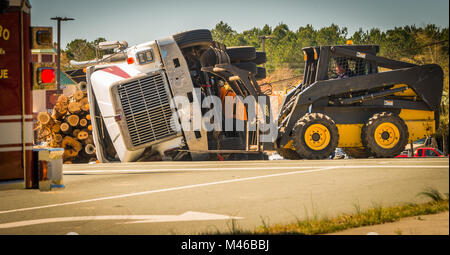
153 101
132 95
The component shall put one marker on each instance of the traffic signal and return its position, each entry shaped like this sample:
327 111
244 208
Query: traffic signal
44 75
44 66
42 37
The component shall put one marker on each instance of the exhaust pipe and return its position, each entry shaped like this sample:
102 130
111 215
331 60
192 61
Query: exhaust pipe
84 63
119 56
110 45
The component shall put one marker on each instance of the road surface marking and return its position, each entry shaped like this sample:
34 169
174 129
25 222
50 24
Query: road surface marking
168 189
185 170
209 184
187 216
235 169
230 163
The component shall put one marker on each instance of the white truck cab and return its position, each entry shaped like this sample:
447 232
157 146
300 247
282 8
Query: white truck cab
131 102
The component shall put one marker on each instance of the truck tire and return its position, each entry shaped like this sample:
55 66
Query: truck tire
82 85
260 73
214 56
248 66
385 135
199 37
288 154
357 152
209 58
260 58
315 136
241 53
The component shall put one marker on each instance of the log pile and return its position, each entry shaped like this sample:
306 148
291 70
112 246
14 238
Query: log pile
69 127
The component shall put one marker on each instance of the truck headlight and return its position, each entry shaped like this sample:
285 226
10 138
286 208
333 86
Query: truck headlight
145 57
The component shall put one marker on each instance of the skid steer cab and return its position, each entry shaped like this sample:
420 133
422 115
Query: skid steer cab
345 101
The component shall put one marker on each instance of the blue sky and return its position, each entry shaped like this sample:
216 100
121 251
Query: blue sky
137 21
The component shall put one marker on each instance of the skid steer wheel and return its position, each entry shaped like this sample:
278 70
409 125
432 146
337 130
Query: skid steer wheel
315 136
385 135
199 37
355 152
288 154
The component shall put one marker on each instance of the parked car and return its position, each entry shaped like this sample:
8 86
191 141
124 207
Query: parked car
404 154
425 152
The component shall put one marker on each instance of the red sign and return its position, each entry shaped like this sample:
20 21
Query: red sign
10 63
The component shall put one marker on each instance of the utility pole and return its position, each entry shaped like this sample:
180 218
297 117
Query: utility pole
263 40
58 70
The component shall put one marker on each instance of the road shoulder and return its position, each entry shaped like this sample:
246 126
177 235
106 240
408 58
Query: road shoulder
435 224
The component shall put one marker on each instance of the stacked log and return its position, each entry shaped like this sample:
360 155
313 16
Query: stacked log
69 127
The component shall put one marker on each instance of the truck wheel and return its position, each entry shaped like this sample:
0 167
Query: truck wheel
260 58
199 37
214 56
260 73
241 53
385 135
82 85
315 136
248 66
357 152
288 154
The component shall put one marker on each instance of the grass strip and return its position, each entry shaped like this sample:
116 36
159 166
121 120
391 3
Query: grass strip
372 216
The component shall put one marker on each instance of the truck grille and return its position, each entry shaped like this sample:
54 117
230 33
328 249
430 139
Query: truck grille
146 107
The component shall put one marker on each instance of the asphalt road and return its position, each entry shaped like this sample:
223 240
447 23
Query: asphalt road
206 197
